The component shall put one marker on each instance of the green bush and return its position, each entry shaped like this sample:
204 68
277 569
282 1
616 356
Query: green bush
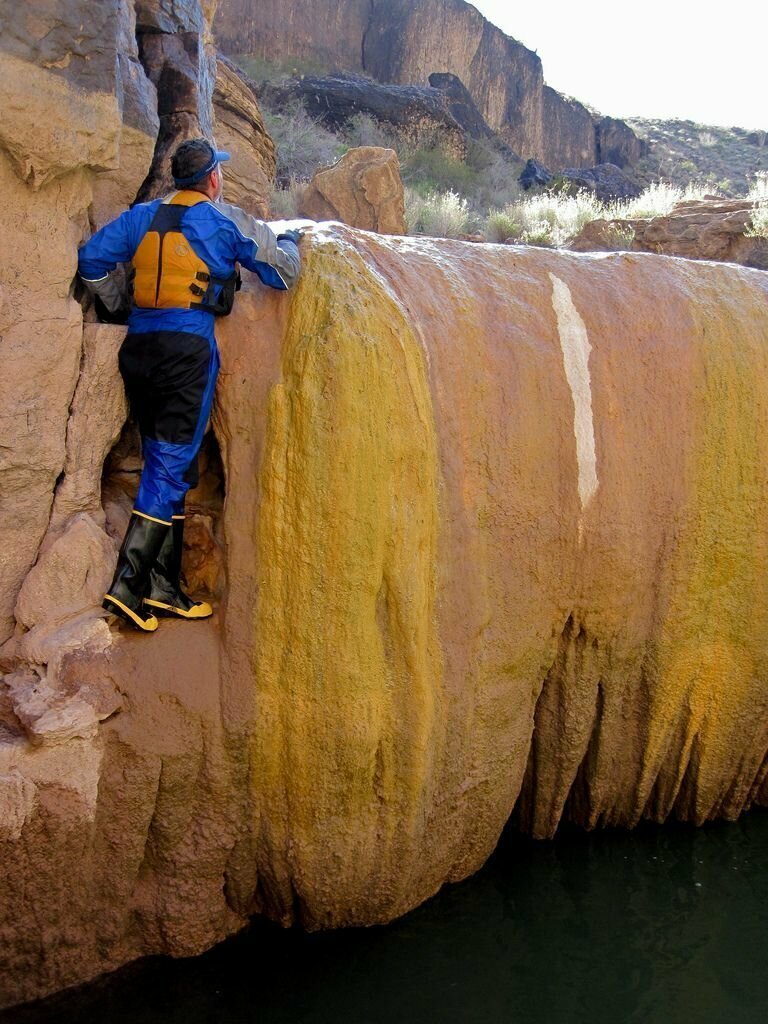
500 226
657 200
758 195
439 214
619 235
434 170
303 143
551 218
284 202
364 130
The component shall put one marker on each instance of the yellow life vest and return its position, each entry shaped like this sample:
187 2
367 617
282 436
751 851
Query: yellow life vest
166 266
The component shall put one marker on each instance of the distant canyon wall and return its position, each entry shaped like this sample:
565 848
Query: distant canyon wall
404 41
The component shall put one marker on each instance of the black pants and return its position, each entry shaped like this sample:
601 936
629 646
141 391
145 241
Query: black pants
170 378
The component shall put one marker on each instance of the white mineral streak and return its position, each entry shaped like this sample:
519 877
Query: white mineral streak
575 347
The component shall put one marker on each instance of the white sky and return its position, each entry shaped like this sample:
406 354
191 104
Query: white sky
660 58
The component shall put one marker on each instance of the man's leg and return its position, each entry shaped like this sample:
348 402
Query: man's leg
168 379
166 597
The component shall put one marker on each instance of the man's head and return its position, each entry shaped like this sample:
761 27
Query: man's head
196 165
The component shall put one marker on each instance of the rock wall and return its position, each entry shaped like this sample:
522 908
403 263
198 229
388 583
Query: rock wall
77 131
240 130
95 98
403 41
495 539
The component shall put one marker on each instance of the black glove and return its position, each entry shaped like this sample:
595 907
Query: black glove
108 316
292 234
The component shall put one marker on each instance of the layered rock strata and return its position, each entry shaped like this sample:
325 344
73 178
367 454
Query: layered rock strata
404 42
240 130
412 113
495 538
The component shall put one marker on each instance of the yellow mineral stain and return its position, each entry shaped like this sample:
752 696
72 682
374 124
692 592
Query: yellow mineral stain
709 660
348 666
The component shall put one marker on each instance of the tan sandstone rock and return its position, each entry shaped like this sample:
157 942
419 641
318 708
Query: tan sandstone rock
47 716
97 414
17 803
711 228
70 575
77 128
363 189
240 130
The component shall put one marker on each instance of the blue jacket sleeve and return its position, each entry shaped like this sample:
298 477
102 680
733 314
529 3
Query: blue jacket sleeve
115 243
256 248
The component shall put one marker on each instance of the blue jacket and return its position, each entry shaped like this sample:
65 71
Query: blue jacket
221 235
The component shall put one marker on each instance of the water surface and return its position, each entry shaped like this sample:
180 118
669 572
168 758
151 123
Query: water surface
658 926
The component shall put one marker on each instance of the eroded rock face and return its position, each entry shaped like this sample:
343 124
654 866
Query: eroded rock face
240 131
364 189
413 113
77 130
177 53
711 228
495 537
404 42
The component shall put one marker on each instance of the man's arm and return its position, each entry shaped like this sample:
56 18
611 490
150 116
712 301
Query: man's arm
257 247
98 257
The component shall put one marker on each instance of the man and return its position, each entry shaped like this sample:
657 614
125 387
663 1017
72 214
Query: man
184 250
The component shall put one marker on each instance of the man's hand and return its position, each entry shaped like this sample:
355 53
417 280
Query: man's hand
293 234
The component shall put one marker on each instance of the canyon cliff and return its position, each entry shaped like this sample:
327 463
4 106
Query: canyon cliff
485 527
403 41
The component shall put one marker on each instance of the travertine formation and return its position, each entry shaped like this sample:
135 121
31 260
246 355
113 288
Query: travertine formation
495 539
405 41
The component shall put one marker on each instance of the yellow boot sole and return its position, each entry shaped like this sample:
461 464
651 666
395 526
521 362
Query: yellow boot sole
200 610
148 625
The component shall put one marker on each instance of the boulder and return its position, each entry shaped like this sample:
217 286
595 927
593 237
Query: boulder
363 189
607 181
534 174
49 717
71 575
711 228
413 113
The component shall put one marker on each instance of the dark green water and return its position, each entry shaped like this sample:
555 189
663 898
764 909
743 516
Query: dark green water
658 926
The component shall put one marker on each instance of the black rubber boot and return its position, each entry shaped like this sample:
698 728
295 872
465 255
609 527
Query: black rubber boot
166 596
131 582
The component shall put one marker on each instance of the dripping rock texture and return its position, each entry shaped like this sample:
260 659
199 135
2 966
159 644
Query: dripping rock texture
496 535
